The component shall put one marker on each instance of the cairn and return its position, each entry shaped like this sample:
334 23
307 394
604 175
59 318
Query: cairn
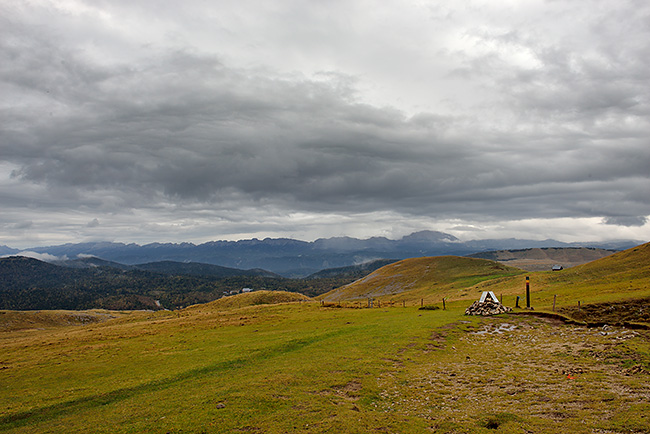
487 305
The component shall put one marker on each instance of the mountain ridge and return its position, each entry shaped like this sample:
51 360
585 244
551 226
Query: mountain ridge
296 258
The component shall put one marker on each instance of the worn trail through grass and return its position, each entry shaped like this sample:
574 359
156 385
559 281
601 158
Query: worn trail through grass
265 354
304 368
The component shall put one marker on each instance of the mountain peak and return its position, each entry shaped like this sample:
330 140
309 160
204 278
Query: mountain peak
430 236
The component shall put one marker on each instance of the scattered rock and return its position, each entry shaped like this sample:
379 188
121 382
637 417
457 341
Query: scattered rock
634 370
488 307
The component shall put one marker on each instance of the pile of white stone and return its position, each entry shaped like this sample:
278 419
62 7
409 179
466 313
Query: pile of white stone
487 305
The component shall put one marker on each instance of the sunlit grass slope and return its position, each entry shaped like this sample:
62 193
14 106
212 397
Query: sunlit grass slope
428 278
623 275
40 319
253 299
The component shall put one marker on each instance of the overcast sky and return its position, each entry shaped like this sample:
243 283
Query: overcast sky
150 120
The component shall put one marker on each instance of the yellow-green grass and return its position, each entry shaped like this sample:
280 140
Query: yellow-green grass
241 366
623 275
253 298
300 367
429 279
42 319
270 366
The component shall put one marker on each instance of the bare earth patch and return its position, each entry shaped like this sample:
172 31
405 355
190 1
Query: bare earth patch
523 374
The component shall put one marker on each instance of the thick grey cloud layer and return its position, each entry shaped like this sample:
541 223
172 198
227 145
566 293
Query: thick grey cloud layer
185 121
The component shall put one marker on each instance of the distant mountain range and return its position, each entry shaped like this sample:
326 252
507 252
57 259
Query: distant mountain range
294 258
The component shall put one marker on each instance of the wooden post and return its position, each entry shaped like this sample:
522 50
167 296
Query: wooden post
517 302
403 303
378 303
443 304
554 297
527 293
578 305
421 302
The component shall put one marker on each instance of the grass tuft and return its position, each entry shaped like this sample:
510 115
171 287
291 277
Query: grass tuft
429 307
496 420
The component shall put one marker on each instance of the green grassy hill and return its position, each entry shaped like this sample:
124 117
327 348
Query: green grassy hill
11 320
623 275
254 298
429 278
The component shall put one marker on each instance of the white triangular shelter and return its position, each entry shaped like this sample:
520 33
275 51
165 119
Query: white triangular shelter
488 294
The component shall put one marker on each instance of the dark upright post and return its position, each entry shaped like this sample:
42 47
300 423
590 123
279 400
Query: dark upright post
527 292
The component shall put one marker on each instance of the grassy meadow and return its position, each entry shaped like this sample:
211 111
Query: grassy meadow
623 275
298 365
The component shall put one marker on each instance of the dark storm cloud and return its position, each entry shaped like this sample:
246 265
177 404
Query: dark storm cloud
626 221
188 127
555 129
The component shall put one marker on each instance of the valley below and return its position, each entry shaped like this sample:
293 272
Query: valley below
391 352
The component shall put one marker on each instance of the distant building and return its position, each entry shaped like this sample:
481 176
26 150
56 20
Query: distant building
246 290
557 268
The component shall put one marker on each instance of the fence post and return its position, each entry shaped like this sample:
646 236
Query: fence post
527 293
554 297
443 304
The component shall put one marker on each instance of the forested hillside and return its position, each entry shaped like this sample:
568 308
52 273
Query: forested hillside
28 284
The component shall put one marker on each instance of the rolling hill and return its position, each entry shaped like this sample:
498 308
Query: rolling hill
622 275
254 298
409 279
543 259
